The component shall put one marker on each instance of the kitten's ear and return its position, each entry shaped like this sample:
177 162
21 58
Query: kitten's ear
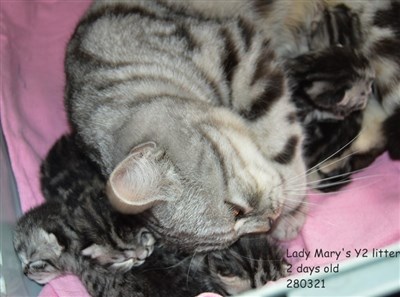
51 241
144 178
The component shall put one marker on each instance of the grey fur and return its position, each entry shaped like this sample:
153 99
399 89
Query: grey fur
73 185
76 231
46 253
200 80
370 29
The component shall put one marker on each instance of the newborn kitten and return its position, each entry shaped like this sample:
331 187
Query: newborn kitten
331 87
79 231
370 28
72 183
66 171
47 251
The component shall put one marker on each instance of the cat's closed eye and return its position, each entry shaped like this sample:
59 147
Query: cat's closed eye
38 265
236 210
227 273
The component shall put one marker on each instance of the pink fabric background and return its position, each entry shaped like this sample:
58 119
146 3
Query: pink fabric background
33 38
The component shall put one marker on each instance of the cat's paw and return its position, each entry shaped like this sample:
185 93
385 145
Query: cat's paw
284 270
288 226
355 98
136 256
123 260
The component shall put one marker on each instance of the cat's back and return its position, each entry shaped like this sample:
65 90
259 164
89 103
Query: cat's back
142 39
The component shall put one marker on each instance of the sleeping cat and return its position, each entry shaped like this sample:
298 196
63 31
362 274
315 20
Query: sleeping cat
47 248
187 113
72 184
371 29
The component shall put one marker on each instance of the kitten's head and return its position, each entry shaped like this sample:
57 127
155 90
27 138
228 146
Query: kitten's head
38 249
336 80
248 264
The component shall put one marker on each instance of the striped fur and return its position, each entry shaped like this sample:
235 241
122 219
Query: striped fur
73 185
331 87
370 29
185 109
45 254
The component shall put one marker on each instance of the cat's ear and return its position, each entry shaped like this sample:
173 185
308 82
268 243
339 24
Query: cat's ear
144 178
51 241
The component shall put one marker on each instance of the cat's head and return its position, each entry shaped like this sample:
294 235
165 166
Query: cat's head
206 196
248 264
38 249
336 80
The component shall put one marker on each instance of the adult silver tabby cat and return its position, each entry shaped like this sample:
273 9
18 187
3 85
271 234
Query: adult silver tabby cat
186 111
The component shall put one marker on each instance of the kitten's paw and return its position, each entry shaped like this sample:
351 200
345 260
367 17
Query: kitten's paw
355 98
136 256
120 261
146 244
284 272
102 254
123 260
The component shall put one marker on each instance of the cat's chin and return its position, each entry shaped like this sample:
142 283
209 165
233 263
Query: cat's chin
288 226
43 278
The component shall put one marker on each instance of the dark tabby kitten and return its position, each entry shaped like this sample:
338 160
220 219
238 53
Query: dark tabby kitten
330 88
47 248
66 171
113 239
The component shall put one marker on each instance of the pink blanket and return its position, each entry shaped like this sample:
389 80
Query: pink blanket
364 215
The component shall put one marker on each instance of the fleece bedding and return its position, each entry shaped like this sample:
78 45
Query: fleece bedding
363 215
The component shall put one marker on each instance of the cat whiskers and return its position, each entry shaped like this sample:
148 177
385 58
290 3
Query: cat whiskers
168 267
335 176
332 155
189 268
338 192
343 182
316 167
